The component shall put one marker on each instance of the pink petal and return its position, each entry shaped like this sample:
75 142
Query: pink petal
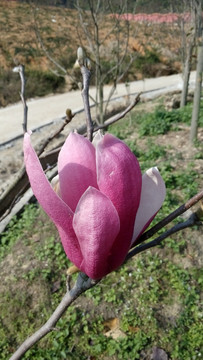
152 197
119 177
57 210
77 168
96 224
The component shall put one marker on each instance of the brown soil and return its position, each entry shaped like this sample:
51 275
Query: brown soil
61 35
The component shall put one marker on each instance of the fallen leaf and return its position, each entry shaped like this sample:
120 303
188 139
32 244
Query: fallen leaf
112 324
115 334
114 331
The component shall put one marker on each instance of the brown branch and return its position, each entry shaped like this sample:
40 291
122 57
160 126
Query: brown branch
170 218
56 133
119 116
83 284
192 220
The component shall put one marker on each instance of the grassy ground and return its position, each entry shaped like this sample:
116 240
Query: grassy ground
154 300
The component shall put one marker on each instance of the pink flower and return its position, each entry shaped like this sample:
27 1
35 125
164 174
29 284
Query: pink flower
104 203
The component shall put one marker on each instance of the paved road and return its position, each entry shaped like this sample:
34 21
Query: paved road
44 110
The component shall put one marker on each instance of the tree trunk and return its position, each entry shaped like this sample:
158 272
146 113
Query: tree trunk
199 69
186 76
197 94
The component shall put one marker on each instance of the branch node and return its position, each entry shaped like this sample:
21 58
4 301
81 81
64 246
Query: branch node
21 70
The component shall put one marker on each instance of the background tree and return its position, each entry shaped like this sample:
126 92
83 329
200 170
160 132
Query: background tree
188 32
199 70
92 23
96 24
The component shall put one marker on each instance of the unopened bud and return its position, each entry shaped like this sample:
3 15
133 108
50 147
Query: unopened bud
80 56
69 115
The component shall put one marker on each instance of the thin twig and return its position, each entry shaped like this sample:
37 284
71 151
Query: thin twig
192 220
55 134
85 95
85 66
117 80
170 218
119 116
21 70
83 284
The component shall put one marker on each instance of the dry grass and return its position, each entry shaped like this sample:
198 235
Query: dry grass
61 34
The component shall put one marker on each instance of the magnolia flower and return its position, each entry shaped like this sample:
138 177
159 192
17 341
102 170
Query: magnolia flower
102 204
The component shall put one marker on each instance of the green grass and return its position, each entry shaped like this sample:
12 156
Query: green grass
162 121
159 122
137 294
156 295
17 228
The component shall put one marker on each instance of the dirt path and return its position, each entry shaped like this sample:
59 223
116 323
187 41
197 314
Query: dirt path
45 110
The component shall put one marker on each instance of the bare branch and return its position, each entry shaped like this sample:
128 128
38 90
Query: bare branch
83 284
21 70
56 133
119 116
119 77
83 23
92 31
86 74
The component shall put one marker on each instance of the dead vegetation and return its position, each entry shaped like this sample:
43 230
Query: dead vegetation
24 30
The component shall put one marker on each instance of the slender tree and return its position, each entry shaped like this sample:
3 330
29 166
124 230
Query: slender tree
105 35
199 70
188 43
91 31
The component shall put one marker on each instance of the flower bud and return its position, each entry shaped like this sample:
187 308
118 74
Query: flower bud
80 56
